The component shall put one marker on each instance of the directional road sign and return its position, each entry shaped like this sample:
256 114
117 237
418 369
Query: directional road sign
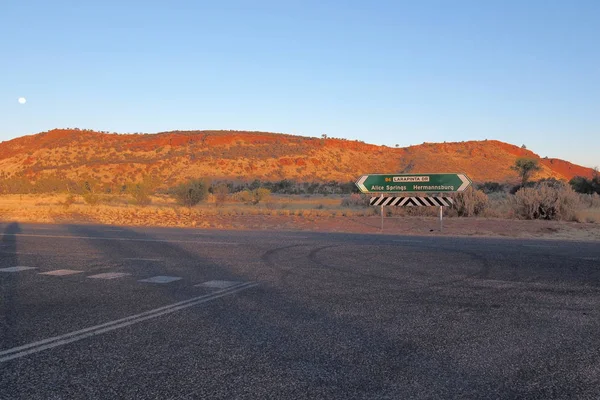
407 183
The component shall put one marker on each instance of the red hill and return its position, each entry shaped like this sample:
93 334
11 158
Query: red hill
174 156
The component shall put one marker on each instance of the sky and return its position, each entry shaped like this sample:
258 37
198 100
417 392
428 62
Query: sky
384 72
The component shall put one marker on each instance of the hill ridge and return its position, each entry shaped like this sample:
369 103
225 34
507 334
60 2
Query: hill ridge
172 156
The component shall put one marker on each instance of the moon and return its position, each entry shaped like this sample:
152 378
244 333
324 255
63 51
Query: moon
22 100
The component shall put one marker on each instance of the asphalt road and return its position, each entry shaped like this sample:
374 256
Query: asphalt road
280 315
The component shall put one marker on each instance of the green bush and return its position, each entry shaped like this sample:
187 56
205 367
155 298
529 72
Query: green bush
191 193
491 187
470 203
588 186
547 200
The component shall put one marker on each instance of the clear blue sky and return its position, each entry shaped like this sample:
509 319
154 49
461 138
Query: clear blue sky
386 72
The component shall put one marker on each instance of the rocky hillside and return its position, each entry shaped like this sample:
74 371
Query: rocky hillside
175 156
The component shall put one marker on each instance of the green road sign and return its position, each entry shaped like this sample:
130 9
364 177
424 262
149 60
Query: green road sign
379 183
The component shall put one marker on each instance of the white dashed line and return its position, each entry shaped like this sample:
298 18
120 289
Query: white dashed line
218 284
109 275
61 272
36 347
16 269
142 259
161 279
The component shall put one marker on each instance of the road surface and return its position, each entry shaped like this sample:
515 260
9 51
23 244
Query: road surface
101 312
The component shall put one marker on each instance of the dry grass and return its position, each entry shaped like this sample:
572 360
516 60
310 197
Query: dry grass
588 215
163 211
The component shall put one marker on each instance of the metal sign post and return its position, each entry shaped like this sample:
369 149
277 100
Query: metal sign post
382 214
441 219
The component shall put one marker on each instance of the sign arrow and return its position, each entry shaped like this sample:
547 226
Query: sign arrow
411 183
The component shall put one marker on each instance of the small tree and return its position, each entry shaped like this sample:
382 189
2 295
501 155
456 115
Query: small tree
261 194
526 168
191 193
89 190
141 191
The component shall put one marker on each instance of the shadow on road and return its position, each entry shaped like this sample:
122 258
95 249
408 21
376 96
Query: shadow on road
295 339
9 284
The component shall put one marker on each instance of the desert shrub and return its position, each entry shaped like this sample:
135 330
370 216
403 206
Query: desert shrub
69 200
355 200
141 191
253 196
547 200
261 194
49 184
91 198
243 196
191 192
470 203
16 185
583 185
220 193
491 187
140 196
590 200
88 189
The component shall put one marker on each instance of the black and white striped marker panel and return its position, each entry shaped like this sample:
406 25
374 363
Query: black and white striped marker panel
429 201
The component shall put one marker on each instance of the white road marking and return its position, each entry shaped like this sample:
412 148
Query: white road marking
16 269
143 259
114 230
537 245
115 238
590 258
36 347
218 284
161 279
61 272
109 275
407 241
